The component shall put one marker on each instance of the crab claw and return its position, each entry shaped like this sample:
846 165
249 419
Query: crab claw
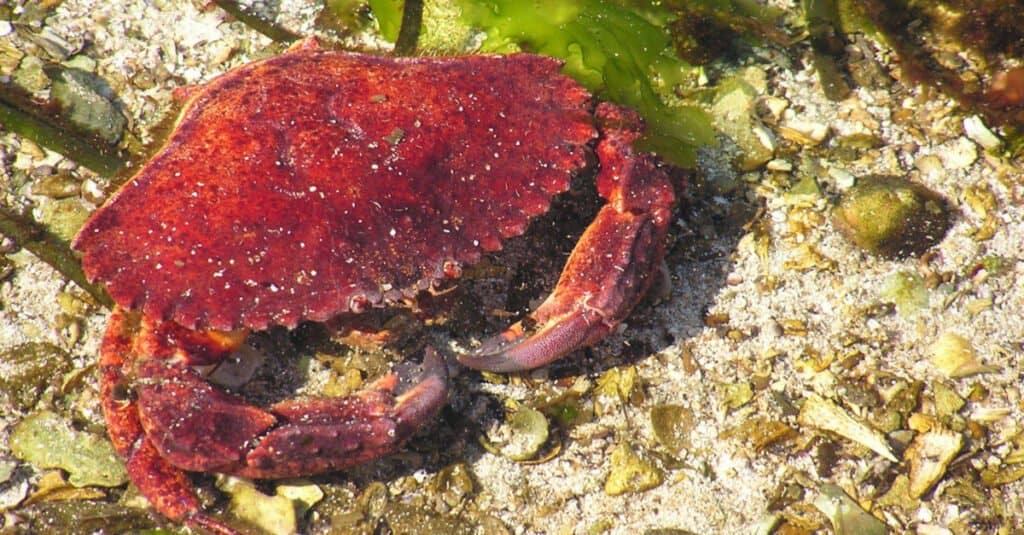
165 419
326 434
612 266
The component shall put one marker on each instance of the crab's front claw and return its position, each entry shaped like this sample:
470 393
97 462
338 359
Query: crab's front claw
612 266
325 434
607 274
164 418
198 427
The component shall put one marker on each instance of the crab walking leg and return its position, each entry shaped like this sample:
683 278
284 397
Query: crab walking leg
612 266
177 421
165 486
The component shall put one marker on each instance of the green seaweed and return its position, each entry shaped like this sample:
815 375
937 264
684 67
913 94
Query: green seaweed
50 249
389 17
613 51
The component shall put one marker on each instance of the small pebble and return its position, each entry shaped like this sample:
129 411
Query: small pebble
780 165
976 130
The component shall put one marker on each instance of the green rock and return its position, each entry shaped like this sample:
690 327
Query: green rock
46 440
81 95
26 371
630 472
672 425
892 217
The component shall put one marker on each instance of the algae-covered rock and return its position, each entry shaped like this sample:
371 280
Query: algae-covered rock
26 371
525 431
892 217
81 95
630 472
46 440
672 425
277 514
72 517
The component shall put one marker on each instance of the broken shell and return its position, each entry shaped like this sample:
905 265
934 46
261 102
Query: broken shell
976 130
955 357
929 455
672 425
959 153
823 414
524 432
804 132
846 515
907 290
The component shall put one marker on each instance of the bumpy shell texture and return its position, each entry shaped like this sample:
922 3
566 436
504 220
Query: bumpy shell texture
317 182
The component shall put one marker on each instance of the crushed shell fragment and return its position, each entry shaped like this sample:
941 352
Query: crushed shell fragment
955 357
822 414
929 456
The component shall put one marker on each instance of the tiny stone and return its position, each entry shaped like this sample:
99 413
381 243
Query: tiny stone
780 165
929 165
976 130
843 178
771 108
805 132
31 150
93 192
958 154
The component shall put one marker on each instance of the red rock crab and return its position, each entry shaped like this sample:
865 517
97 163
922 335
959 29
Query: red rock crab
318 183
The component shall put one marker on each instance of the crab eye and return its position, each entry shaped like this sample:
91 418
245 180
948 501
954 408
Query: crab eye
452 269
358 304
122 393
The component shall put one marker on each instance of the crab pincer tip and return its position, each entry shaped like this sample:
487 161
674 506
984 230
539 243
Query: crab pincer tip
427 395
496 354
517 350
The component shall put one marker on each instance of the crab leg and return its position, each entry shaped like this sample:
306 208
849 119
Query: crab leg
166 487
164 418
610 269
